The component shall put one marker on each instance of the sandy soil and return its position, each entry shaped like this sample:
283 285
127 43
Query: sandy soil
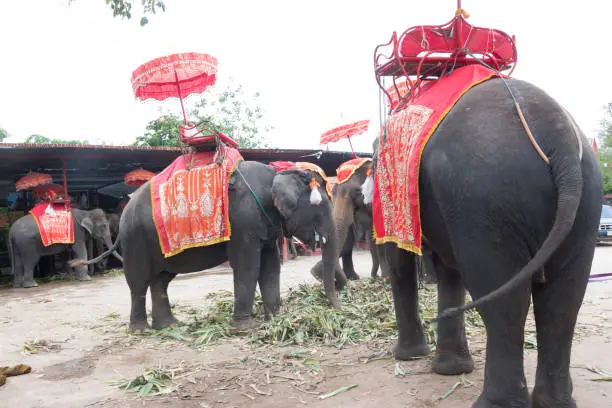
88 349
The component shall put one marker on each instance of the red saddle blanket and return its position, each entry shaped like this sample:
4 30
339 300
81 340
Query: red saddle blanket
191 208
54 223
395 205
284 165
348 168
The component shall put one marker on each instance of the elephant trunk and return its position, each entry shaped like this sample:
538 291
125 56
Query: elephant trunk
112 250
329 249
109 244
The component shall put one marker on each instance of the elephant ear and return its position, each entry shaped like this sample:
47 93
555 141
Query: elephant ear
287 187
87 223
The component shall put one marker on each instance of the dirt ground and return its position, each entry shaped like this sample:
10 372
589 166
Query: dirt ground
87 351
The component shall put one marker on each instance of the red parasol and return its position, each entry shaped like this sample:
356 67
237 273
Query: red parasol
345 131
138 177
33 180
174 76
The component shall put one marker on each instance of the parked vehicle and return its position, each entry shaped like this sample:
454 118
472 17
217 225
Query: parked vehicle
605 224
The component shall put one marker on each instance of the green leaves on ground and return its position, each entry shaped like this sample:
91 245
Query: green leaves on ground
367 314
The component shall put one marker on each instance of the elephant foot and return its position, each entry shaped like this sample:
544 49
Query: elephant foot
452 364
316 273
542 400
159 324
517 402
29 284
138 328
409 352
17 284
243 326
352 275
83 278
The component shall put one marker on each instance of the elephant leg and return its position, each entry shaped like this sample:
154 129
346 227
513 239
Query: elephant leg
411 342
385 270
80 251
556 304
452 353
269 281
487 265
245 259
373 254
18 270
90 254
138 292
161 314
28 265
347 256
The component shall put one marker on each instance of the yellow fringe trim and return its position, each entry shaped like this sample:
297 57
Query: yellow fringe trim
355 168
58 242
224 238
413 247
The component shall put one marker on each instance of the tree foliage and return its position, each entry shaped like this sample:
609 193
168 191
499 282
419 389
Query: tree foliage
605 150
123 8
228 110
39 139
3 134
163 131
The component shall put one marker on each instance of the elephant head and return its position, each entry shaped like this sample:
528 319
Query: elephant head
301 199
96 223
349 207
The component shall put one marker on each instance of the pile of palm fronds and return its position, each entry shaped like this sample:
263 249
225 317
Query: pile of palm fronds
367 313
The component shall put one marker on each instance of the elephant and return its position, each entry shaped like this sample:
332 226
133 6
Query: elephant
350 214
509 227
263 204
26 247
113 224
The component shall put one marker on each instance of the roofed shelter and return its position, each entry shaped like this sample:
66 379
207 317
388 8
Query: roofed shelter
101 169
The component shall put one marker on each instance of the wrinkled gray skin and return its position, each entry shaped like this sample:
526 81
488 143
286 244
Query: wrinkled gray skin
253 250
508 227
113 223
351 213
26 248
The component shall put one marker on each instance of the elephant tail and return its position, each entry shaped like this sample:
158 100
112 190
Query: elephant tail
83 262
567 174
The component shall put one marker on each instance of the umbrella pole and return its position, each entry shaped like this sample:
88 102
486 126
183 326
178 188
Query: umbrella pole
352 150
178 87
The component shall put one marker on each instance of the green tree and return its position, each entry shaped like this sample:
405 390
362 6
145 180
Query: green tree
3 134
123 8
39 139
605 150
228 111
163 131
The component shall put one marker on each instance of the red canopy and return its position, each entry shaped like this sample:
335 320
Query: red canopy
174 76
137 177
33 180
346 131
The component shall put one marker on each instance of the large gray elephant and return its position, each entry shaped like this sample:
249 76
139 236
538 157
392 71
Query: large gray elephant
26 247
263 204
509 227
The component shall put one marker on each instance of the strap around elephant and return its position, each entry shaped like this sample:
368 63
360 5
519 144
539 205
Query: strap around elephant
263 210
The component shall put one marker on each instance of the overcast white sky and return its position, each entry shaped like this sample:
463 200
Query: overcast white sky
65 70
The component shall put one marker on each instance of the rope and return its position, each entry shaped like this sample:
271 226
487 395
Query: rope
263 210
535 144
